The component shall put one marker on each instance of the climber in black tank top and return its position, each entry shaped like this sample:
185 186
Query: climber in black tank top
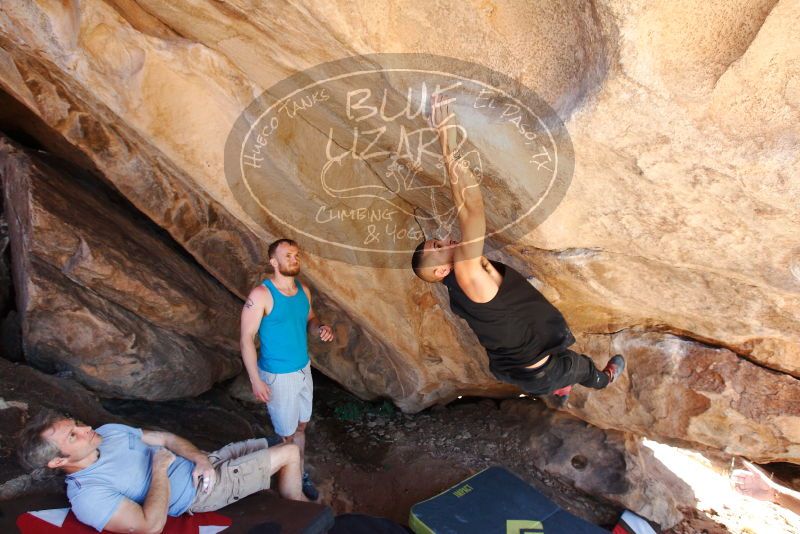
525 336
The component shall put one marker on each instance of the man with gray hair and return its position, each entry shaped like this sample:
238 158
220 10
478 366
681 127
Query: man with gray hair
123 479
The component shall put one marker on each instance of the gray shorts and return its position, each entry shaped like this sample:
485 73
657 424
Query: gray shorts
242 468
291 398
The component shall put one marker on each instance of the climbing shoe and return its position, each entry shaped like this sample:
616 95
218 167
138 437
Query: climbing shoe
614 368
309 490
561 396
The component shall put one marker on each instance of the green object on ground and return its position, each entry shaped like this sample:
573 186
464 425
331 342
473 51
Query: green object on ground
349 411
356 410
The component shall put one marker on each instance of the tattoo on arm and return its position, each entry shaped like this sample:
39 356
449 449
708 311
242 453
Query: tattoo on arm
249 303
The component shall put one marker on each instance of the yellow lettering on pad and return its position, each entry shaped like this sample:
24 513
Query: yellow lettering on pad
463 490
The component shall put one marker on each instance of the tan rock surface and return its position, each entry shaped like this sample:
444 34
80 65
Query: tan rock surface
681 391
100 243
681 215
231 250
102 295
605 463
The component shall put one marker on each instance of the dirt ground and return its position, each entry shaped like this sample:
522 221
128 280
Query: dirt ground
371 458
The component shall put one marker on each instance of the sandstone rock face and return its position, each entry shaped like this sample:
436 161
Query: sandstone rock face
104 297
5 268
11 338
607 463
27 390
682 391
679 217
207 424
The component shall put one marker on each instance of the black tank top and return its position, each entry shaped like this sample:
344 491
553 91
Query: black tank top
518 327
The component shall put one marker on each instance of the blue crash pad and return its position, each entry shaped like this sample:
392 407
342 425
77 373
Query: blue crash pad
495 501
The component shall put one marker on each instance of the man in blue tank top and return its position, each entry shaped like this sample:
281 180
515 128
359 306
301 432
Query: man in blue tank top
279 312
525 336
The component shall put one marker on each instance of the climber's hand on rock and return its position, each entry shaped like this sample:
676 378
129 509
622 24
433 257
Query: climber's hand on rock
326 333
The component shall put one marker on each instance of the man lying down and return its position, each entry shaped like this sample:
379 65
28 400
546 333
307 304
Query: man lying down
123 479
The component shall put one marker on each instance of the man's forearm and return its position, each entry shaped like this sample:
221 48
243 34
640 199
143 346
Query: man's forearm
249 357
788 499
184 448
156 503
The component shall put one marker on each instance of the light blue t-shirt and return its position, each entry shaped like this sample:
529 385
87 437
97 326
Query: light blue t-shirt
123 470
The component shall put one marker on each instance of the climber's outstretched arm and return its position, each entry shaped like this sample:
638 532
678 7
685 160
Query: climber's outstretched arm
470 265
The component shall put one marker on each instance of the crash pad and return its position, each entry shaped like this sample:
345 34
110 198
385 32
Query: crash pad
495 501
263 512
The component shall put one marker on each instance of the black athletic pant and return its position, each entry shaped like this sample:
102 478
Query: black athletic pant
579 369
563 369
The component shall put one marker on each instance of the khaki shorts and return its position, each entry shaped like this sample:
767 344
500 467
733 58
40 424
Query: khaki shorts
242 468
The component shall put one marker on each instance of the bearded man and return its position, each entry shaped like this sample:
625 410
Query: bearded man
279 311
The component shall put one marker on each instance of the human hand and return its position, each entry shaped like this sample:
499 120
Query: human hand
162 459
203 470
260 389
753 482
326 333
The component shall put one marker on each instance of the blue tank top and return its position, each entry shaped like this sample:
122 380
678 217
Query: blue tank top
284 344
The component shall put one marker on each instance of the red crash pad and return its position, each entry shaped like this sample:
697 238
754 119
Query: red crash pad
263 512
